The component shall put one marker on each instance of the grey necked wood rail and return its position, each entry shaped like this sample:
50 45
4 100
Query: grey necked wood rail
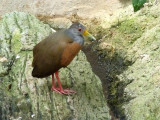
57 51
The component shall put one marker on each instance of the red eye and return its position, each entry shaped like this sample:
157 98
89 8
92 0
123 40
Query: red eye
79 29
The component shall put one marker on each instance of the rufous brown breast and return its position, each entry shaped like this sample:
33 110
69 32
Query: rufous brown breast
69 53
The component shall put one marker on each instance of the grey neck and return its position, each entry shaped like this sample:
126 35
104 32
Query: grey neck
77 38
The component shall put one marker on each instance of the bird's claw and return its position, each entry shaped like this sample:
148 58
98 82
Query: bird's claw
66 91
56 90
63 91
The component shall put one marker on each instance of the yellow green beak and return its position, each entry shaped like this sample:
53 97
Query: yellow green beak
86 33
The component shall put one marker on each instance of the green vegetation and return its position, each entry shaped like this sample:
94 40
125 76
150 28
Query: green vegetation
138 4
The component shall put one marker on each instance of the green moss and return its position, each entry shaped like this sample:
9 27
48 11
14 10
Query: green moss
122 35
16 43
127 32
133 68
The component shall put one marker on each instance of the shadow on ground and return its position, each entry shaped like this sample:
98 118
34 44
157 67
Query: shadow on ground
107 68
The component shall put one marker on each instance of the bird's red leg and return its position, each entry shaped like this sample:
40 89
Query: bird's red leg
61 90
53 84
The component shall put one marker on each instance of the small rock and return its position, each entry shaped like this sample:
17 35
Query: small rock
20 118
17 56
144 57
3 59
32 115
59 23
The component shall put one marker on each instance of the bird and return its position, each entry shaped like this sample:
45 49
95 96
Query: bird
57 51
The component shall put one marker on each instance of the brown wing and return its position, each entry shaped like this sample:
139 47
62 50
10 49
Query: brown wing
47 54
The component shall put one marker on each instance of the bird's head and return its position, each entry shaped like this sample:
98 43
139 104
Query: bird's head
79 29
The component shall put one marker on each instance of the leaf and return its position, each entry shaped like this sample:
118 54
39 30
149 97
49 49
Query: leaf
137 4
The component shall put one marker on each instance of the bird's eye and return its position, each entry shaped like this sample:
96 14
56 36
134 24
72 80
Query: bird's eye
79 29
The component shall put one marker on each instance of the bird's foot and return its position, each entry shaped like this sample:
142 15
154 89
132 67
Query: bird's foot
67 91
55 89
63 91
